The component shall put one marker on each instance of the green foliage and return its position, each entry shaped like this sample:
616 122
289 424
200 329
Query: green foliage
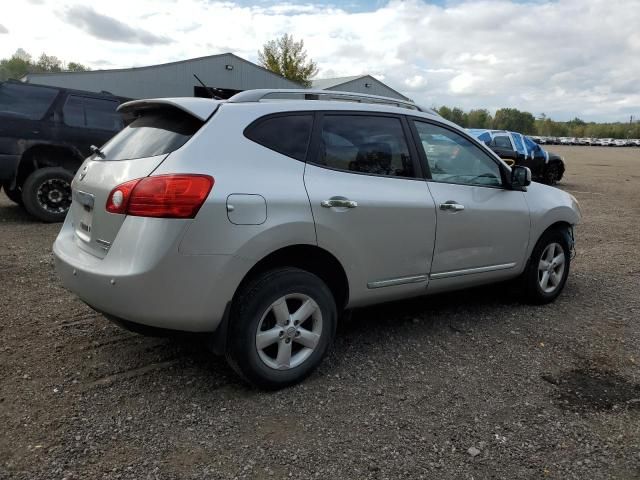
288 58
480 118
515 120
524 122
76 67
22 63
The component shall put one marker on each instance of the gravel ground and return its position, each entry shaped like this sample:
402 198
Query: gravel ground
460 386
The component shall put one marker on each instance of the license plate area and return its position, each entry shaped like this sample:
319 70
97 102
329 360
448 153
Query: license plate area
84 213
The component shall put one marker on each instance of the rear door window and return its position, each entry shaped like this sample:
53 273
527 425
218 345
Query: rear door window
287 134
156 132
87 112
26 101
374 145
73 112
102 114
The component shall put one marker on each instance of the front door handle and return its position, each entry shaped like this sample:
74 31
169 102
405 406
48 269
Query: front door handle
451 206
339 202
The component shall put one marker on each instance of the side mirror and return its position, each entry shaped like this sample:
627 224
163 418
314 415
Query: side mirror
520 177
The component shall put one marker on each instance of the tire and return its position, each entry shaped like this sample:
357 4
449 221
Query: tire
254 311
46 194
14 194
553 244
551 174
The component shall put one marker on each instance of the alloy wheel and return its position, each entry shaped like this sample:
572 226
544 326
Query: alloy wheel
289 331
551 267
54 195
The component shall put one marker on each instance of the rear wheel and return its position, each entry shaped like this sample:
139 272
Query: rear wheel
47 193
281 327
14 194
552 174
548 269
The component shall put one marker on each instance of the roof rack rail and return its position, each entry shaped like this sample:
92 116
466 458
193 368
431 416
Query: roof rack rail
314 94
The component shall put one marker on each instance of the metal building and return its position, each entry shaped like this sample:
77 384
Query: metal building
225 71
358 84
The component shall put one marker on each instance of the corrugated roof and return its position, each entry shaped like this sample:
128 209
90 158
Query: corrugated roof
324 83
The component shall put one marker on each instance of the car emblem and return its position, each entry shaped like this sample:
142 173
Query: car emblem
83 173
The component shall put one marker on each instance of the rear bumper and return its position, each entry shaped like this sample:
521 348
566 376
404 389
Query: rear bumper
8 167
165 289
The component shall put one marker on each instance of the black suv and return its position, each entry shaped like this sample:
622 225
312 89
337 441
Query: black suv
516 148
45 134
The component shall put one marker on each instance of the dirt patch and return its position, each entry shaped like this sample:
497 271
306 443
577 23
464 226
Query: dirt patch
594 390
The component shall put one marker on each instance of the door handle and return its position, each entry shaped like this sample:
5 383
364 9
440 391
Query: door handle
451 206
339 202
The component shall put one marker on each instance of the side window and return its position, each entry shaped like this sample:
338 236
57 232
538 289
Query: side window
101 114
73 112
25 101
366 144
502 141
454 159
286 134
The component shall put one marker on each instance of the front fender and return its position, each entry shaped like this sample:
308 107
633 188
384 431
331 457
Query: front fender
549 206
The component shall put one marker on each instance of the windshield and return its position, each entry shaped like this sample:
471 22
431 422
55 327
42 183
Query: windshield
156 132
25 101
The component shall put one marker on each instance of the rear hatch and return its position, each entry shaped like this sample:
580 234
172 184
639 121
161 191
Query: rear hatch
159 128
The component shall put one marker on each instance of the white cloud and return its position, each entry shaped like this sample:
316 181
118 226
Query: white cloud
563 58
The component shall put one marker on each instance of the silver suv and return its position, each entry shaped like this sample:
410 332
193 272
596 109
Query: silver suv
258 220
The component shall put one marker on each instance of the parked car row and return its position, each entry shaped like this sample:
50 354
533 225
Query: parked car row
45 134
601 142
518 149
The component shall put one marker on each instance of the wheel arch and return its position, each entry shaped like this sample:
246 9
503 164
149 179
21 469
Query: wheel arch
561 225
311 258
47 155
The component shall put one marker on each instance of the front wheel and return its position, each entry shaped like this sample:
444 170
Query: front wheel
548 269
46 193
281 326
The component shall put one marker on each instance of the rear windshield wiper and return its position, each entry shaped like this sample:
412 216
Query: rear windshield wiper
96 151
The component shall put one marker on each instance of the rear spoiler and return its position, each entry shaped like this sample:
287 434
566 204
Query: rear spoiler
201 108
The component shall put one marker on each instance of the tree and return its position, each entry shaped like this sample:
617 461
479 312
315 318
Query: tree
48 63
288 58
515 120
480 118
21 63
77 67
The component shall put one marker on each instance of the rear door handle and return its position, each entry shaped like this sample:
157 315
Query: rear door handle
339 202
451 206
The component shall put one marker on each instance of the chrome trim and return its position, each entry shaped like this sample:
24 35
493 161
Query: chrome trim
468 271
398 281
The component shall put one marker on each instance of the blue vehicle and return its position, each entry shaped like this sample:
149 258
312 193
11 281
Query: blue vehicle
518 149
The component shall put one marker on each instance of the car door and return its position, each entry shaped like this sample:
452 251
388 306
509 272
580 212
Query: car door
483 228
371 205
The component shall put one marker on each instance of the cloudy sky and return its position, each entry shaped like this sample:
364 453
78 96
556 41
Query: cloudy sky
564 58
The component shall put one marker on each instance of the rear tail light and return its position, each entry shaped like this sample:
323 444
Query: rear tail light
165 196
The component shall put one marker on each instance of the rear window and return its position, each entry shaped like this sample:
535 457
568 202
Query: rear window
28 102
156 132
286 134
